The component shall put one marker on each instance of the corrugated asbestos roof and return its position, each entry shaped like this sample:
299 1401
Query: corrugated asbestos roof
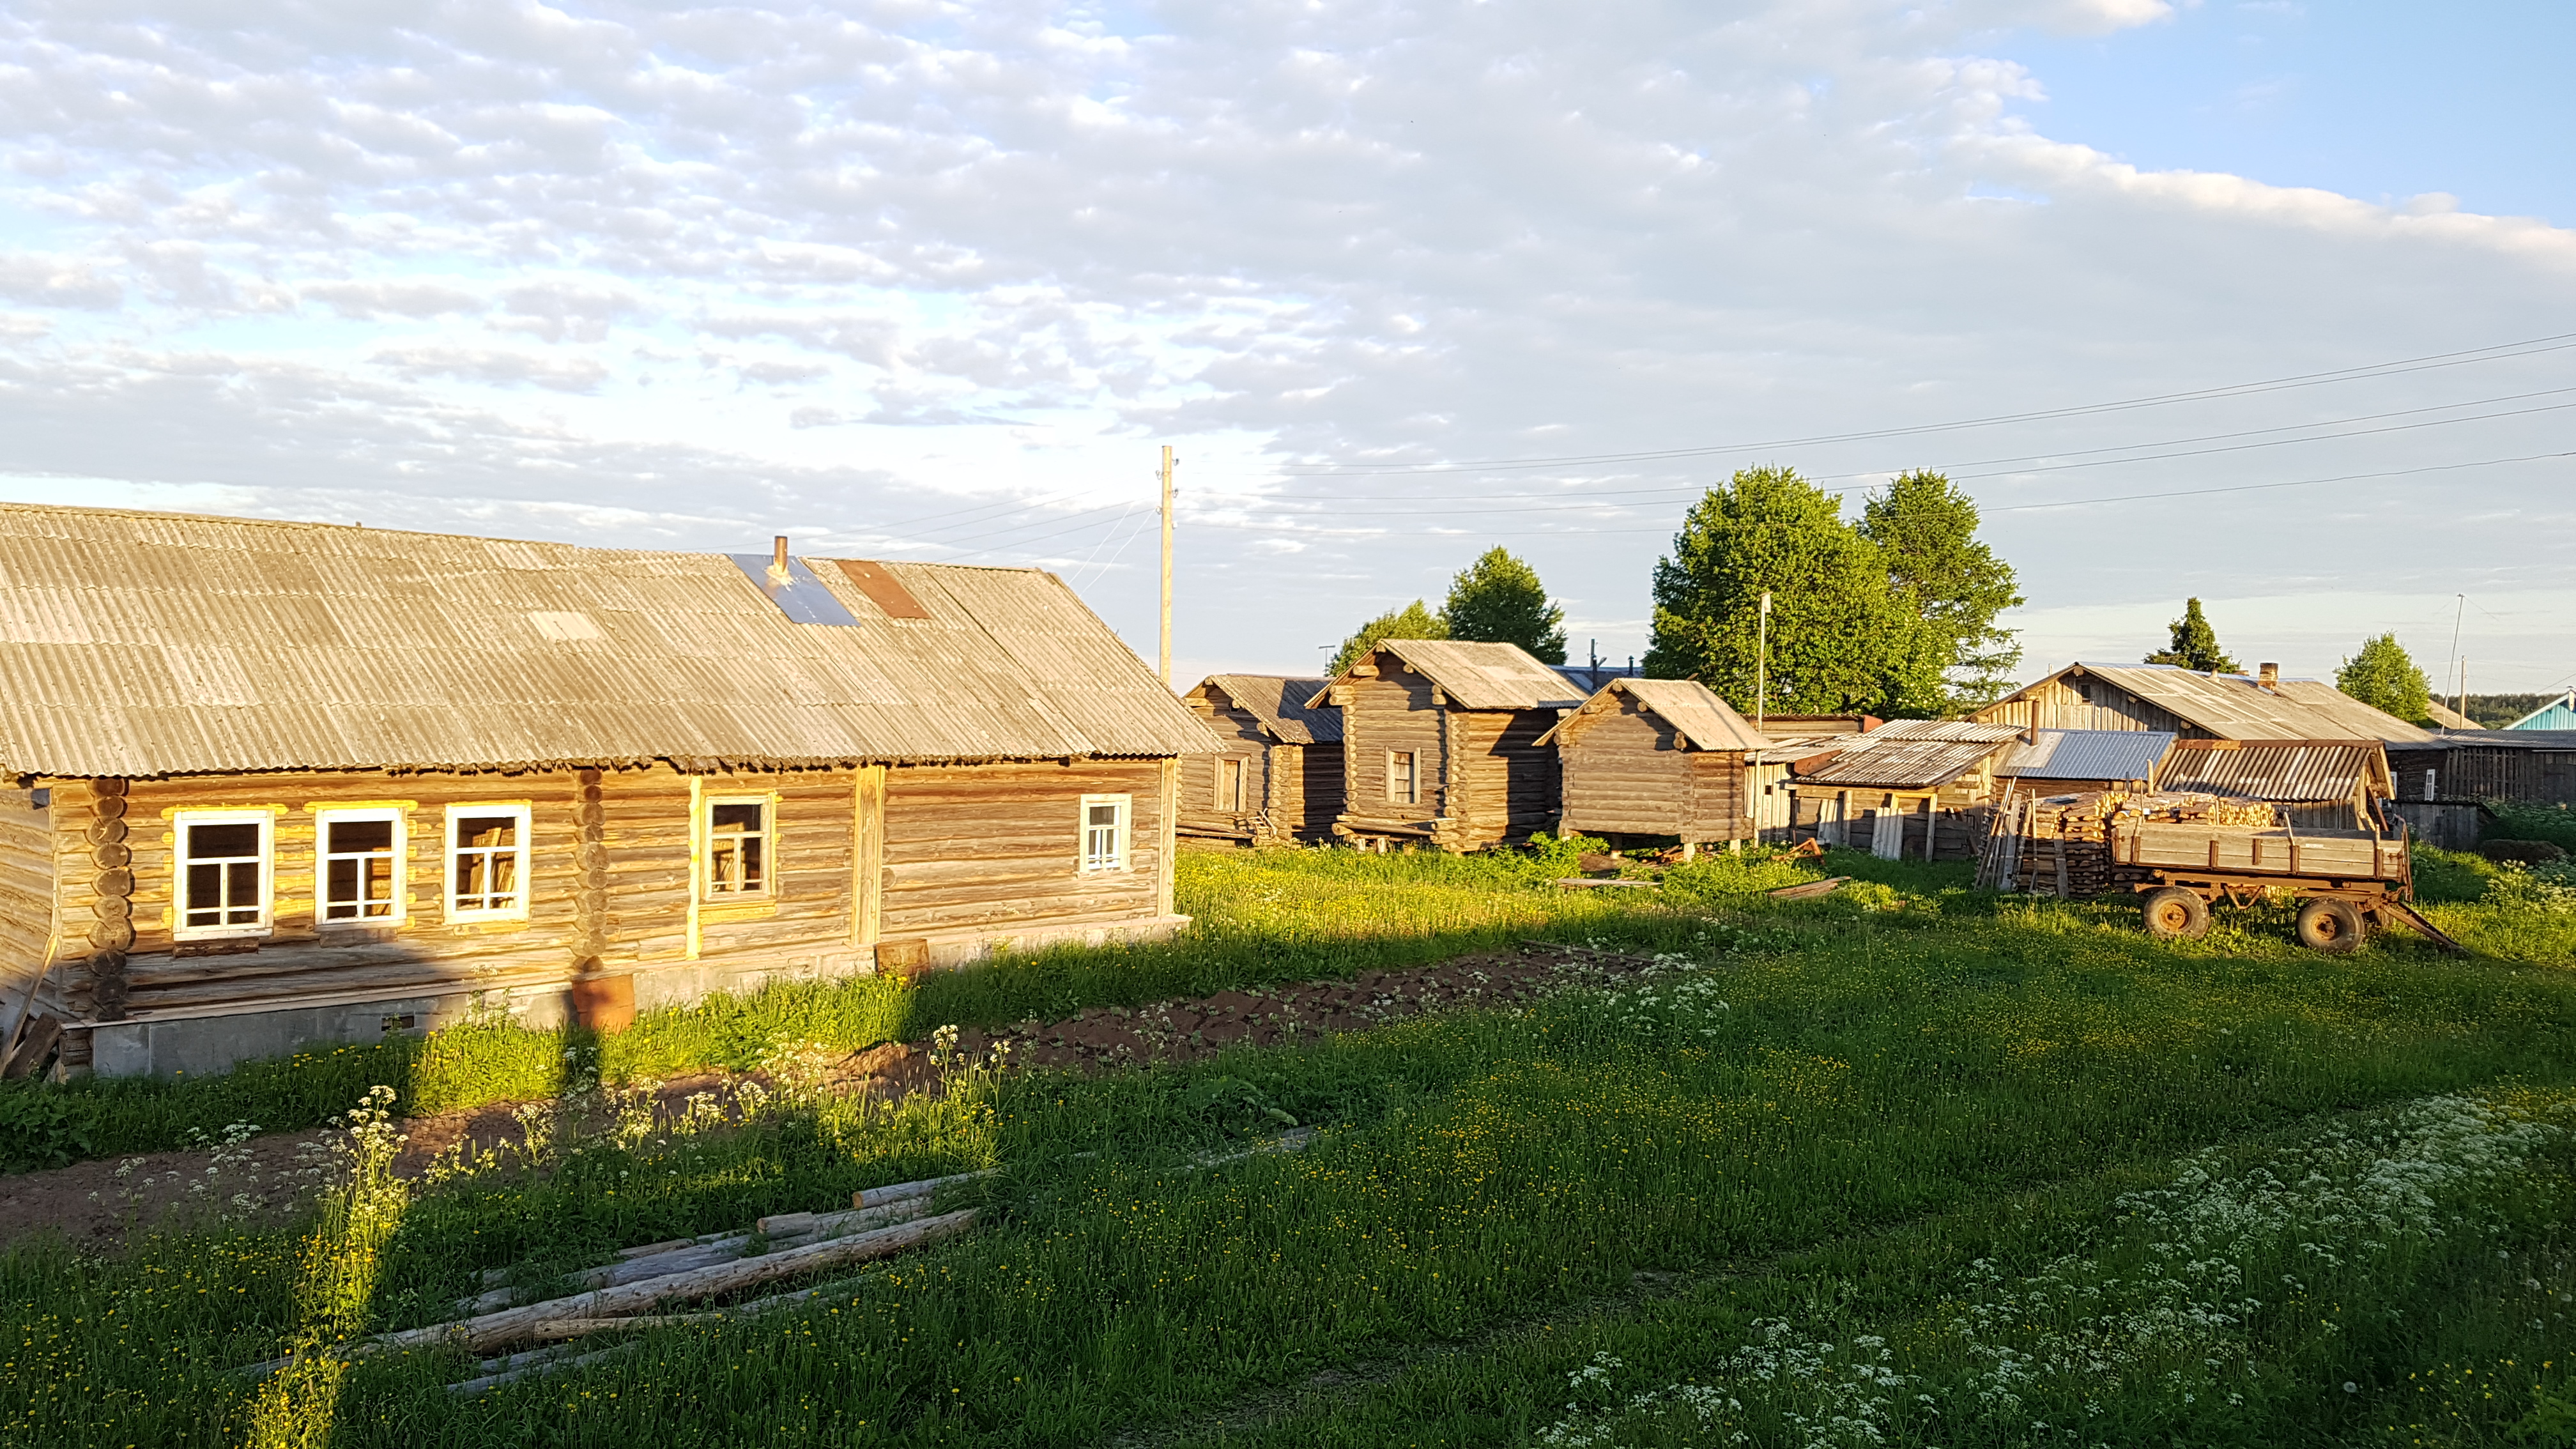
1690 707
2235 707
1911 755
2283 774
1486 676
1280 704
2088 755
159 644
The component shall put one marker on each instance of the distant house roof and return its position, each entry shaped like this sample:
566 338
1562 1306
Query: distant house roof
1910 754
2558 714
1481 676
2088 755
142 644
2236 707
1690 707
2448 718
2284 774
1279 703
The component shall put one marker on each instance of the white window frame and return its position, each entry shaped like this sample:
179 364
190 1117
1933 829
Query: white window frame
180 821
323 820
1085 861
447 854
1230 770
1412 794
707 892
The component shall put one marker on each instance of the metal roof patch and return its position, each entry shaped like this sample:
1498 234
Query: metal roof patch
797 593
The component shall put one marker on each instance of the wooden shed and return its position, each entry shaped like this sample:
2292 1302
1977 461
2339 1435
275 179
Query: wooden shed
1280 777
2189 704
2071 762
1659 757
2317 785
1915 787
1440 743
278 784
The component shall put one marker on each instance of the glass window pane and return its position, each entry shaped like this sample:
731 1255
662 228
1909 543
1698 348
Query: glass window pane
351 836
241 886
487 830
340 889
735 819
215 842
205 892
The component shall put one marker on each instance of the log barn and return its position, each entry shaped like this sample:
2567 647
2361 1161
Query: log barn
1280 777
1440 743
2189 704
1656 757
278 784
1915 787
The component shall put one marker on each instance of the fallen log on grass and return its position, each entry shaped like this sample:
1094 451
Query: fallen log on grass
493 1329
1580 883
784 1230
1824 887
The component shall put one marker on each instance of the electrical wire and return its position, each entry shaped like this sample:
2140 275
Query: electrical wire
2499 352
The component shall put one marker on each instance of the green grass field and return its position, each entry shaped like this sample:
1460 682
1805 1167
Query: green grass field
1905 1164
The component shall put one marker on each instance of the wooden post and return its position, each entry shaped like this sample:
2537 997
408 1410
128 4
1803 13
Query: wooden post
1165 867
867 856
1163 656
697 860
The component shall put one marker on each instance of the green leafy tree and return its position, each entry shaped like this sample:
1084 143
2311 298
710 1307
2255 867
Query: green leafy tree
2195 644
1840 638
2383 675
1499 600
1413 621
1926 526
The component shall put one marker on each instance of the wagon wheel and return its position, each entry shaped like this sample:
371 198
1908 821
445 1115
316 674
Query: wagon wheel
2330 925
2175 914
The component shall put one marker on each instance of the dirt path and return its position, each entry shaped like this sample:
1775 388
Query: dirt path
95 1204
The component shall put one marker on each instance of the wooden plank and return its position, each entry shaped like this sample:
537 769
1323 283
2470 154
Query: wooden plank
867 854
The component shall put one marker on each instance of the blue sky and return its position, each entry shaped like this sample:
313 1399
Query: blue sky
2379 101
932 279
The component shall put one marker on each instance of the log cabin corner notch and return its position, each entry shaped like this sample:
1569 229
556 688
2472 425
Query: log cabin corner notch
286 784
1280 777
1440 743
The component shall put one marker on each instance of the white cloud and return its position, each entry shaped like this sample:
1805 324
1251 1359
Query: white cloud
611 271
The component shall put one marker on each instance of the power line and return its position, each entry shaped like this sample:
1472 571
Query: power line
2502 351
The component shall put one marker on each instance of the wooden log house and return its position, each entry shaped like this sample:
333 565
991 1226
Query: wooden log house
1657 757
1915 787
1280 777
1440 743
2192 705
278 784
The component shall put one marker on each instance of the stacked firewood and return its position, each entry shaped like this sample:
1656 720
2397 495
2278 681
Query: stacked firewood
2066 846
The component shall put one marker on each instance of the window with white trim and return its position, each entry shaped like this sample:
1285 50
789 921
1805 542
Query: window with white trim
737 835
1403 781
1104 831
487 862
360 867
224 873
1229 782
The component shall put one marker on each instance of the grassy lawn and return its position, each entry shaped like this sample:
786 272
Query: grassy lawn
1904 1164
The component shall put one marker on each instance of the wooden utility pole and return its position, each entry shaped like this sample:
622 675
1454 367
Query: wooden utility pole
1163 657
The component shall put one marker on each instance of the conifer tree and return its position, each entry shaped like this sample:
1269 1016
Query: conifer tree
2195 645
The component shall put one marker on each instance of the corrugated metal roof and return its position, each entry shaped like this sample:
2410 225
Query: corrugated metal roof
2236 707
2088 755
2284 774
1690 707
1960 730
1888 759
149 643
1486 676
2558 714
1280 704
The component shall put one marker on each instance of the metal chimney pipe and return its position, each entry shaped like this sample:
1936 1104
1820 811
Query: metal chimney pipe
778 555
2267 675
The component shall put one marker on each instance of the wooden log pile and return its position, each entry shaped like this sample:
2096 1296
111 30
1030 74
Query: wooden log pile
2066 850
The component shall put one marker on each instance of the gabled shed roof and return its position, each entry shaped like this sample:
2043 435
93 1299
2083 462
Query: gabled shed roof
139 643
1280 703
1480 676
2558 714
1690 707
1911 755
2237 707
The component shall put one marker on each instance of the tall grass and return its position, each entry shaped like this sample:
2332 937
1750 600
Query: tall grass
1804 1074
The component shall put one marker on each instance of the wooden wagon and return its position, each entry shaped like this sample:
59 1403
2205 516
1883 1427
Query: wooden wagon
2346 881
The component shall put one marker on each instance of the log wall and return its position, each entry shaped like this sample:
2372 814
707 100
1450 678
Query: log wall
26 899
1626 773
997 848
1317 787
1246 741
1393 711
2083 704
